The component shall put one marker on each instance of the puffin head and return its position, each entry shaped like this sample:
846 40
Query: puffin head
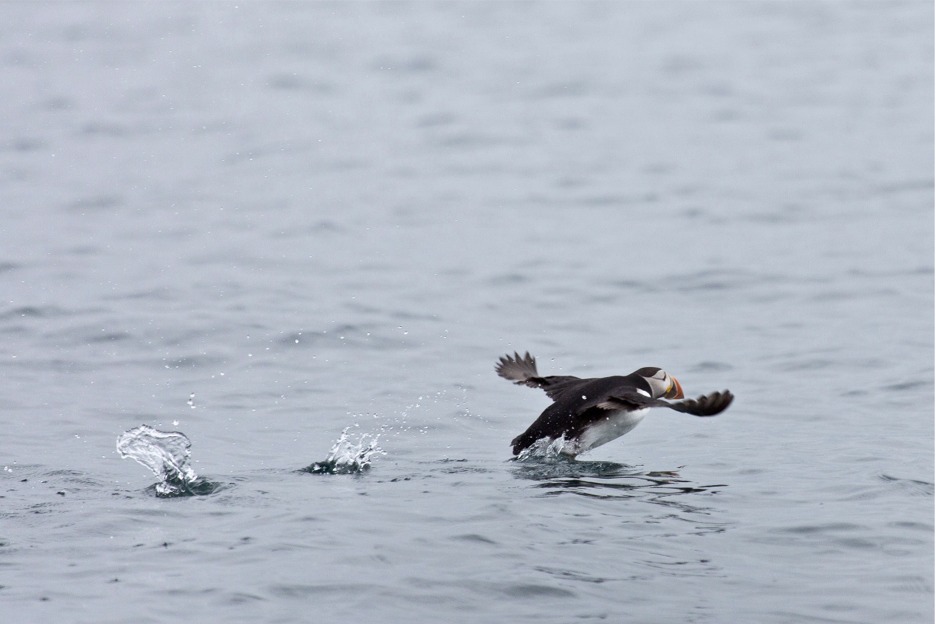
662 384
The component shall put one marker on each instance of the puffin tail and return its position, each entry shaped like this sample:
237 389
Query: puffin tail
520 369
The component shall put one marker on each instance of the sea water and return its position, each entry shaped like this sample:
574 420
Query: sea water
252 227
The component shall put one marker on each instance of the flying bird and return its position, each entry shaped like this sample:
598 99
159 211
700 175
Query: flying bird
587 413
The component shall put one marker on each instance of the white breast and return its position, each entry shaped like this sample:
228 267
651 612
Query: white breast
603 431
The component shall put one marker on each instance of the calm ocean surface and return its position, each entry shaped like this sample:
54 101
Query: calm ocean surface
261 224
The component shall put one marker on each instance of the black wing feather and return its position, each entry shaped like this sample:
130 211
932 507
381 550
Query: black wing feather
522 371
705 405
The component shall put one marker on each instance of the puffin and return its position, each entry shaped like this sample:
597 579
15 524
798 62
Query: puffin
587 413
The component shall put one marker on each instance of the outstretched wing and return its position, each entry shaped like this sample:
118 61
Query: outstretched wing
705 405
522 370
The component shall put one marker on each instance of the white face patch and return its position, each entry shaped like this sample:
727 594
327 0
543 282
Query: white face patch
659 384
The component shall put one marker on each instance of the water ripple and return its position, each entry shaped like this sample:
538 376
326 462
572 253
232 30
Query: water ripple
609 480
912 486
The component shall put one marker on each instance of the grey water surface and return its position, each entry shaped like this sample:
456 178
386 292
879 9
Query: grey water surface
264 224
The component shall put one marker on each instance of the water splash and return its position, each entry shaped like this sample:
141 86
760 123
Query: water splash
167 454
348 456
545 449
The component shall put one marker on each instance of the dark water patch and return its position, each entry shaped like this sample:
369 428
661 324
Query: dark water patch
150 294
570 575
33 312
57 104
913 526
56 365
563 89
24 145
721 280
813 529
83 250
613 199
109 336
320 227
408 64
571 123
509 279
806 364
193 362
888 276
76 331
100 202
409 316
476 140
683 567
104 129
911 486
833 295
759 286
534 590
295 82
920 185
854 393
296 590
241 598
179 488
456 470
711 367
633 285
475 538
830 536
435 119
72 476
908 385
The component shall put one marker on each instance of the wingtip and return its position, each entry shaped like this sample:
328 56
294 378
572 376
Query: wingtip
710 404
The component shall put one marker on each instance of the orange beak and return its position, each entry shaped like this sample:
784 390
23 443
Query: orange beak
675 391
